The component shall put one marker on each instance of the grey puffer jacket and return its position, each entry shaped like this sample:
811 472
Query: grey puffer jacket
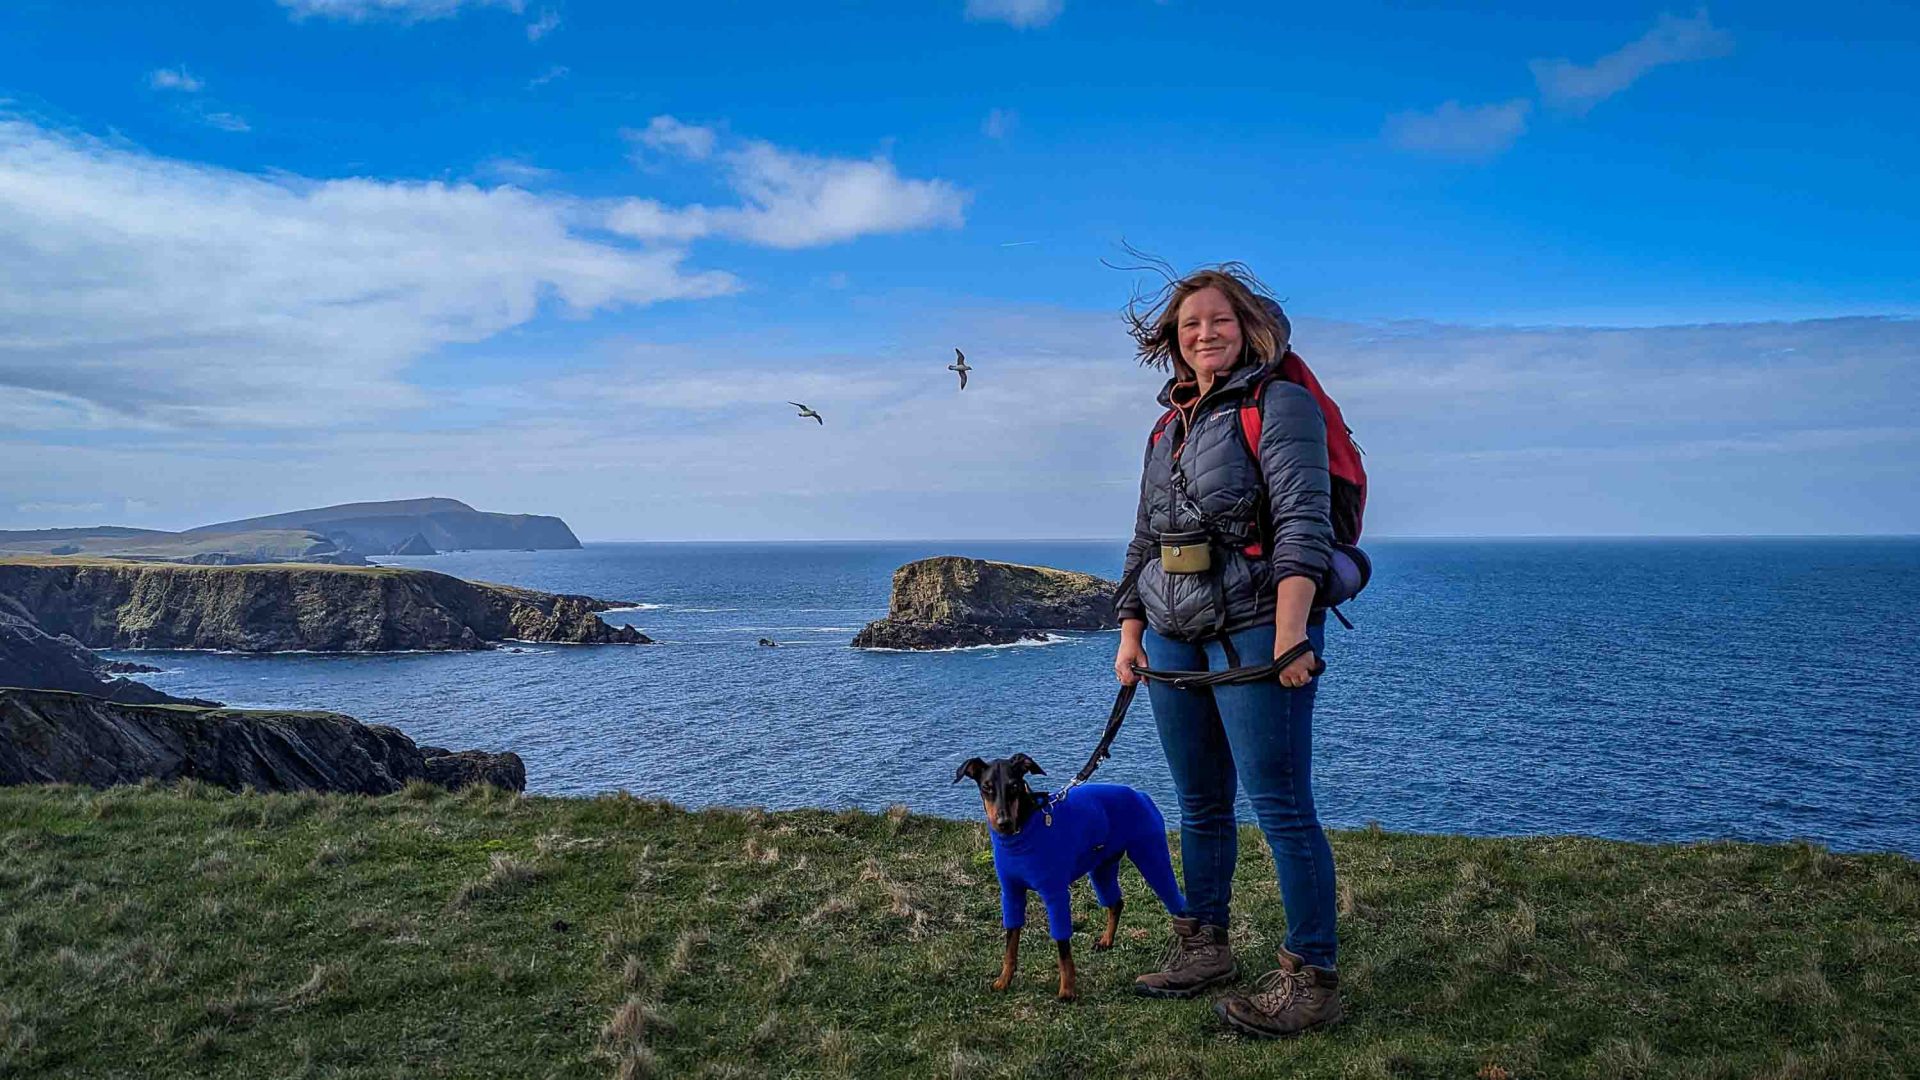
1222 494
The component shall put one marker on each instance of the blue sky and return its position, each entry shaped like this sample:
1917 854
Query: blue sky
1633 269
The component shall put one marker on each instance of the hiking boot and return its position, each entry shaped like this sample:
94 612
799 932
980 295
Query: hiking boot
1285 1001
1199 957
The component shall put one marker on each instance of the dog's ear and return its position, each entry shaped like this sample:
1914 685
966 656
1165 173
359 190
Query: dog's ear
970 770
1022 764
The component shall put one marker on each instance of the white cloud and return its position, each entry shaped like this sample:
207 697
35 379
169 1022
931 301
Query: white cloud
1577 88
1460 130
653 221
999 123
60 509
175 78
226 121
1760 427
515 171
664 133
178 293
789 199
1020 13
406 10
557 71
547 23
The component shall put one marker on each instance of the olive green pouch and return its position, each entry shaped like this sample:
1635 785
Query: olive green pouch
1186 552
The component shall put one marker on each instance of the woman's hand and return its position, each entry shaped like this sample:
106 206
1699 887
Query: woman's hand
1131 653
1292 601
1300 672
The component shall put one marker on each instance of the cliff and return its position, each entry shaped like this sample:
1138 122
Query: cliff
29 656
48 736
223 548
117 604
380 528
950 602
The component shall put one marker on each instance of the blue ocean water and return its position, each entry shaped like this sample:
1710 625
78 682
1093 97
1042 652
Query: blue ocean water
1637 689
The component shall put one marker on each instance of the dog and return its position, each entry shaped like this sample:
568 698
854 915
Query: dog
1047 846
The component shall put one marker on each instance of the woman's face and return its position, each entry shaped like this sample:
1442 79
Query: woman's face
1210 340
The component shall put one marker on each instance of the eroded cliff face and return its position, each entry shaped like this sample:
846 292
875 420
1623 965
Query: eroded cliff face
951 602
31 657
114 604
49 736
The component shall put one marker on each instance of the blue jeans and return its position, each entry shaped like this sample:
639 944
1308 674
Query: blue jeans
1256 734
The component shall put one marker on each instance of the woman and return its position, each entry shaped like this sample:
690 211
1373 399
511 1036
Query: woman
1267 537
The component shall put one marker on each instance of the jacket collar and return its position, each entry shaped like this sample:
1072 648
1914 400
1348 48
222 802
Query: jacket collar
1236 382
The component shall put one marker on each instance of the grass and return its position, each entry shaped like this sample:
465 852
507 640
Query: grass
149 931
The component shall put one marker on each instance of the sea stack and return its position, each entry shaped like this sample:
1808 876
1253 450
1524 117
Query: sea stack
949 602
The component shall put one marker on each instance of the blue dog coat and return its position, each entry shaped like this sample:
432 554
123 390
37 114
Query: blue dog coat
1090 830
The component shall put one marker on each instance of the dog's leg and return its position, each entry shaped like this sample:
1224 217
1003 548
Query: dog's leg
1069 986
1010 961
1106 889
1105 940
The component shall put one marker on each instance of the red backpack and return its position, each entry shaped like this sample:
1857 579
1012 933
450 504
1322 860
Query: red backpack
1349 474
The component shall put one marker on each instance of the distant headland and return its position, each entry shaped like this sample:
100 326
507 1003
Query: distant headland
345 534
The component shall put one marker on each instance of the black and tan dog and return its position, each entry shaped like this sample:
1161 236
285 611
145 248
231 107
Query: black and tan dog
1044 845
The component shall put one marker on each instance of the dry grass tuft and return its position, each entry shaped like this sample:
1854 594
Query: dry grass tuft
764 855
633 971
684 946
505 873
836 1049
633 1023
834 907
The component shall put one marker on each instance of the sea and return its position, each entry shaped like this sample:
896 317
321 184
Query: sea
1640 689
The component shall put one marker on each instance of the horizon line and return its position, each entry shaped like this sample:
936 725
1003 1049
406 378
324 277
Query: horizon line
1121 540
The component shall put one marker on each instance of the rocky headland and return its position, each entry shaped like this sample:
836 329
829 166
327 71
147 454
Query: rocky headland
283 607
344 535
950 602
29 656
413 527
50 736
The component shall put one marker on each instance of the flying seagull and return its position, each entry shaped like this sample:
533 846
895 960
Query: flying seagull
806 412
960 365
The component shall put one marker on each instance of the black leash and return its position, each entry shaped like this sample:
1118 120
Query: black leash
1183 680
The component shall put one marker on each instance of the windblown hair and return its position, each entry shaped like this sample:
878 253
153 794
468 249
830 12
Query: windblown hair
1153 321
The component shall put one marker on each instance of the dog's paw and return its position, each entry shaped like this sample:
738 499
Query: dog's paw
1067 997
1102 944
1000 985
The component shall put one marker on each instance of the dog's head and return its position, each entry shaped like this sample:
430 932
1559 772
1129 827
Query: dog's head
1004 794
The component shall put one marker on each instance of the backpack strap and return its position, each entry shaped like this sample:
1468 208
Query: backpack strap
1252 420
1160 427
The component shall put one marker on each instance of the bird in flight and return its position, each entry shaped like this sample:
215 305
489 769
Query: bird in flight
960 365
806 412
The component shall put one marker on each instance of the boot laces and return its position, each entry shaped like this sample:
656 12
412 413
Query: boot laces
1184 951
1277 990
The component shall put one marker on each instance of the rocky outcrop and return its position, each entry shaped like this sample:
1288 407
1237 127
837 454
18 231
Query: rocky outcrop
949 602
47 736
115 604
31 657
442 524
465 768
413 545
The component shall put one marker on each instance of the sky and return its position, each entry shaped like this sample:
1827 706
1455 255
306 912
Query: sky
1618 269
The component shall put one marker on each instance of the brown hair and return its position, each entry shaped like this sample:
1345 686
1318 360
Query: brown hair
1263 327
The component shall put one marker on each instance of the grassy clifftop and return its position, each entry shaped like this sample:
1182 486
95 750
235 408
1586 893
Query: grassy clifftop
150 931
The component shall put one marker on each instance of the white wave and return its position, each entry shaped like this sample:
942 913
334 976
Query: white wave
636 607
779 629
1023 643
